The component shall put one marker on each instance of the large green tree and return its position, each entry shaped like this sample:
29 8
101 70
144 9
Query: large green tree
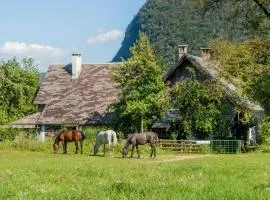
18 87
246 65
142 93
201 105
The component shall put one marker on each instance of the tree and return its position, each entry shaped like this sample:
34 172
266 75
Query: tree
255 12
18 87
247 66
201 105
142 93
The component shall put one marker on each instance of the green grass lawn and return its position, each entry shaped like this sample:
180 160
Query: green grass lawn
40 175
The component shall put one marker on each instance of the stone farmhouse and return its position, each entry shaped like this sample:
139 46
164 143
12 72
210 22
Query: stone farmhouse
204 68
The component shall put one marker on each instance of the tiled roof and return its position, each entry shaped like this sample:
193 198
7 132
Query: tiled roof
77 101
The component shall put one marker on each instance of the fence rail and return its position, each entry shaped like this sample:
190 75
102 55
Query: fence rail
189 146
201 146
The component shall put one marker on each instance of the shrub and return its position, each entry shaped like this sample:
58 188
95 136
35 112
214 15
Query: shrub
11 133
265 131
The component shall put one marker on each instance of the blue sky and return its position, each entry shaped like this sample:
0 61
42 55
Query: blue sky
51 30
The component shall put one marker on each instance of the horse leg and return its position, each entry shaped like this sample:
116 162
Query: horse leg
155 151
77 147
138 152
132 151
152 150
111 149
104 150
65 147
81 143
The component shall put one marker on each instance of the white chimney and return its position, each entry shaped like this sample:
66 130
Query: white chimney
182 50
76 65
206 52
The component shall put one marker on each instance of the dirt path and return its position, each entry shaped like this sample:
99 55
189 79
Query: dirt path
164 159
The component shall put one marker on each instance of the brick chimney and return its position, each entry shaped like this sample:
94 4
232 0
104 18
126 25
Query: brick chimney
182 49
76 65
206 52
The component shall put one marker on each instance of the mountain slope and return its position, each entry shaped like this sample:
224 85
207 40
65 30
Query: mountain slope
169 23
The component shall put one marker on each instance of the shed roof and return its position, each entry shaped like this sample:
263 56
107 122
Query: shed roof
27 122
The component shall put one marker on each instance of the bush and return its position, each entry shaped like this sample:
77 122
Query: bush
26 142
265 131
11 133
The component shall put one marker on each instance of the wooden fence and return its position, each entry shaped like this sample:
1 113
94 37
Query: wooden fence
185 146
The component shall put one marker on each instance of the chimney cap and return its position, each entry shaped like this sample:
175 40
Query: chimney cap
206 48
76 54
183 45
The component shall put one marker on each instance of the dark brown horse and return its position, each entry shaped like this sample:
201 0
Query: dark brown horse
66 136
137 139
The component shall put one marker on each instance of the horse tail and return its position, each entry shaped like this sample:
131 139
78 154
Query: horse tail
114 138
83 135
156 138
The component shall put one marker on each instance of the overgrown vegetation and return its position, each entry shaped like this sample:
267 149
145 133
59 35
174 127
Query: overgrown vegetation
265 135
247 66
18 86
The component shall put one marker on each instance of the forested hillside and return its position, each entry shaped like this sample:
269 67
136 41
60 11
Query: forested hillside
168 23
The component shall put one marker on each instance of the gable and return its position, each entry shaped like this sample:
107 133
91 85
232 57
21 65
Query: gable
185 70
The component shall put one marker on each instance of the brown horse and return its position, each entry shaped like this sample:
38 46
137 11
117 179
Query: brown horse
69 136
141 139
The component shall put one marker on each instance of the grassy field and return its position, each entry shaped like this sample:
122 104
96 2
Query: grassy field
41 175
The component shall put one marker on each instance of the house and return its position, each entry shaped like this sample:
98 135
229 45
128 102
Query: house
73 95
203 68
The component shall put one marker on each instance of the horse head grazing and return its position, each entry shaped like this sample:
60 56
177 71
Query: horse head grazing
55 148
124 152
56 143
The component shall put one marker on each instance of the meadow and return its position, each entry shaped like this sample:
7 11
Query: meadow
26 174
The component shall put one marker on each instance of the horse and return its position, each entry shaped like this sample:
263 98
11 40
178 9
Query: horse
105 137
141 139
69 136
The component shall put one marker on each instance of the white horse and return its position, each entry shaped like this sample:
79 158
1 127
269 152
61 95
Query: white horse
105 137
